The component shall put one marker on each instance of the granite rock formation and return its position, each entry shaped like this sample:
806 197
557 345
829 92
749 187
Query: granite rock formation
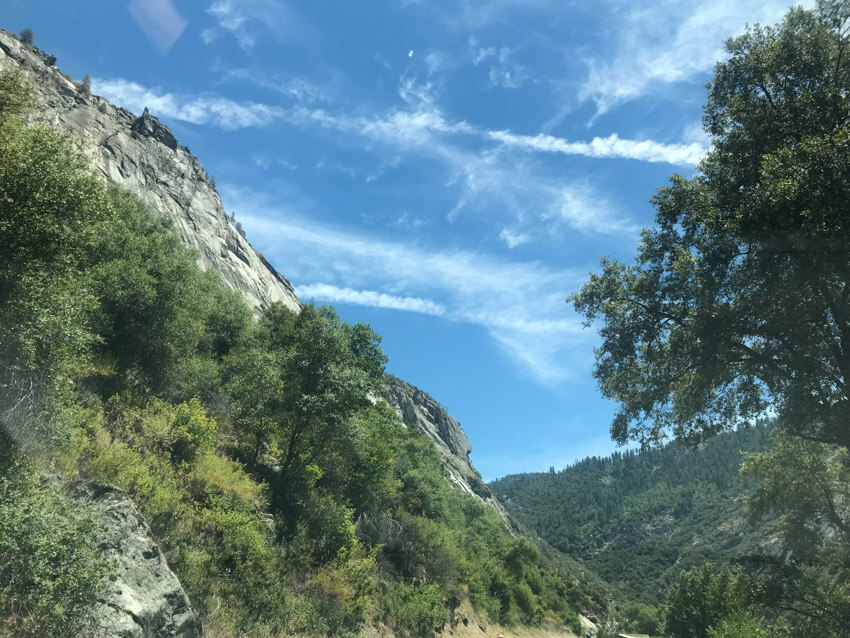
419 410
142 155
143 598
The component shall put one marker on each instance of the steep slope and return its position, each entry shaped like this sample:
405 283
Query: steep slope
418 409
637 520
141 154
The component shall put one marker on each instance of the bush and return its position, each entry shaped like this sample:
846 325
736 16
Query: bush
192 431
738 626
50 571
418 610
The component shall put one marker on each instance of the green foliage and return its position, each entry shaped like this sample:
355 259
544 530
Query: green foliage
702 598
286 495
192 430
157 311
417 610
740 625
50 572
805 484
15 95
26 36
736 299
52 209
637 519
641 618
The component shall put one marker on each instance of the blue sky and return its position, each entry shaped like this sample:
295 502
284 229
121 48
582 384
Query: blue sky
445 171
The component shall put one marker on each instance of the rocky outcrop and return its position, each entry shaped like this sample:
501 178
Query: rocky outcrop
143 598
419 410
142 155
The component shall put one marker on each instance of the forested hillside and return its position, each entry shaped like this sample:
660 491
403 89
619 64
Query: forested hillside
737 305
283 490
638 519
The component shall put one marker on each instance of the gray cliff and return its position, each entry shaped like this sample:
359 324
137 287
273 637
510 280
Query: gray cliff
143 598
419 410
142 155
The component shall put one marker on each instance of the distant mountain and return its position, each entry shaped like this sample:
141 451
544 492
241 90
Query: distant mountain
638 519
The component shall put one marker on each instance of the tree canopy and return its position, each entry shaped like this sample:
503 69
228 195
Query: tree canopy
739 298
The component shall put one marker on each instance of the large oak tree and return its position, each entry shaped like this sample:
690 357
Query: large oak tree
739 299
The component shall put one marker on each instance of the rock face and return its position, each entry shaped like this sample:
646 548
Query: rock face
143 599
419 410
142 155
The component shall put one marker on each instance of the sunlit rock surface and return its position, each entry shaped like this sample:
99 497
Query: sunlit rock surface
142 155
143 598
419 410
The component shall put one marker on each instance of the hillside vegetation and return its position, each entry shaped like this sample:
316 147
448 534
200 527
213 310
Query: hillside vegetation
639 519
284 495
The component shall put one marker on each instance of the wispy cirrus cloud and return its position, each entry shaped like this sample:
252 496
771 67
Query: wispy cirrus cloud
231 20
414 125
476 14
213 110
487 169
371 298
668 41
246 19
605 147
294 87
519 303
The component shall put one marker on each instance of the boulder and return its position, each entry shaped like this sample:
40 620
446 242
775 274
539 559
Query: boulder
143 598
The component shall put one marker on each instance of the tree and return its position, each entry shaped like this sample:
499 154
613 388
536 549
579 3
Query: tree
702 598
808 485
52 210
26 36
85 85
296 389
740 296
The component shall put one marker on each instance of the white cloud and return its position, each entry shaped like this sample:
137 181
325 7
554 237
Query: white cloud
231 19
520 304
437 62
606 147
513 239
475 14
208 36
216 111
582 208
669 41
478 53
244 18
293 87
507 73
334 294
504 71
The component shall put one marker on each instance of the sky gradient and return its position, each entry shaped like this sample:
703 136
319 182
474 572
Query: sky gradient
447 172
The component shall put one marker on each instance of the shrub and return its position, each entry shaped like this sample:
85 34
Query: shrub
192 431
50 571
418 610
738 626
